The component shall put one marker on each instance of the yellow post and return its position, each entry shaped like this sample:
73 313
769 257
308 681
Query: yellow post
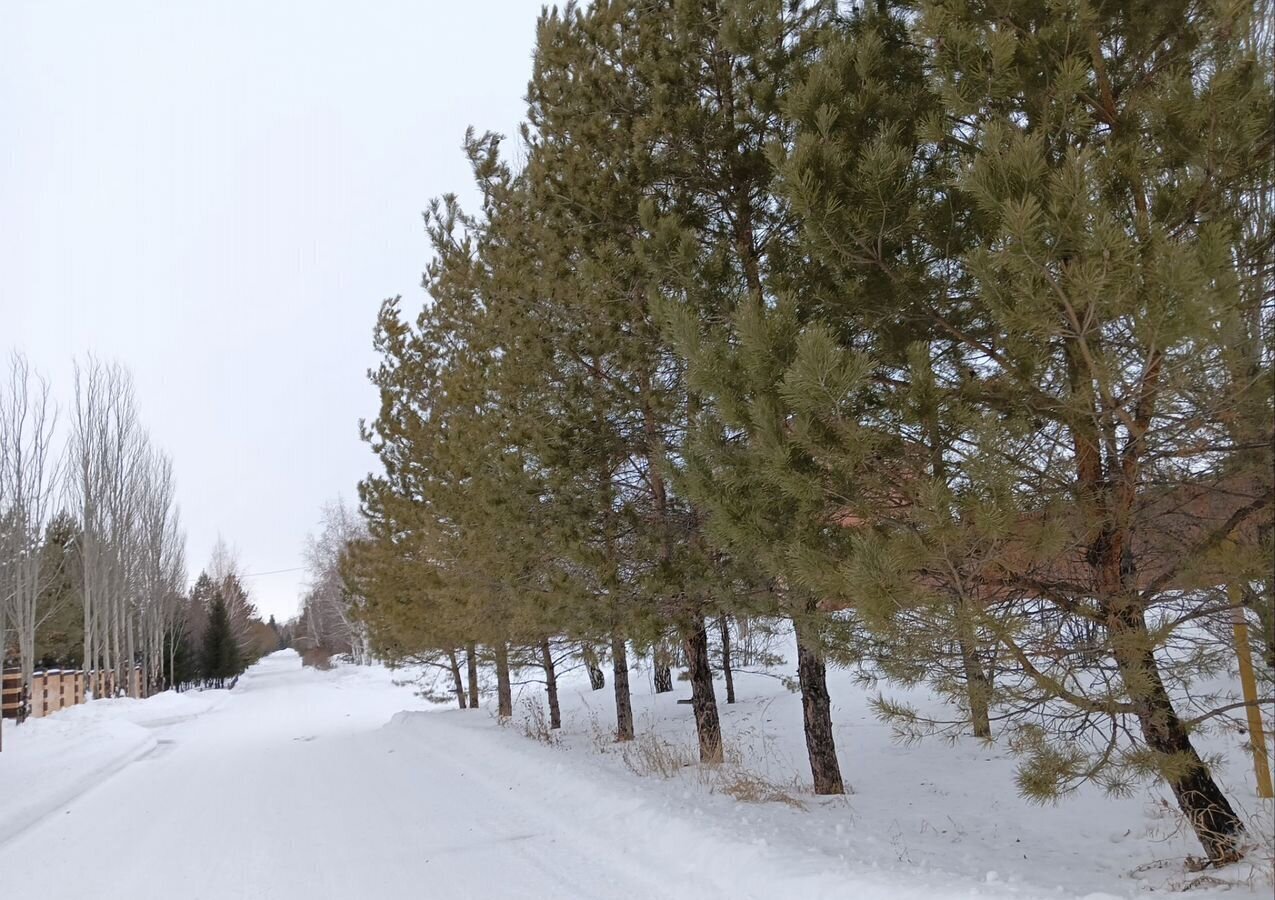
1256 736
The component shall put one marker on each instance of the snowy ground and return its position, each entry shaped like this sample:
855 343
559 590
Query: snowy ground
305 784
49 762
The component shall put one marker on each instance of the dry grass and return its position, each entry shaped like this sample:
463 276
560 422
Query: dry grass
649 754
1255 867
316 658
603 738
535 724
748 787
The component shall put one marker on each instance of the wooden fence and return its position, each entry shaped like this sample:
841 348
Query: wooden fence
55 689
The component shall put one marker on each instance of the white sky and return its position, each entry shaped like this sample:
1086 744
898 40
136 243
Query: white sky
219 194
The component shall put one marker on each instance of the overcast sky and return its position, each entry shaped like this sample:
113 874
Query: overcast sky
219 195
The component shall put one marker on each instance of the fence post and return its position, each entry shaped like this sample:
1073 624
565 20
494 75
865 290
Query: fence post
10 693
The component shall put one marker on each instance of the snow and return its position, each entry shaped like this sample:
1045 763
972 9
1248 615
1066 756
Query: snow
307 784
949 814
48 762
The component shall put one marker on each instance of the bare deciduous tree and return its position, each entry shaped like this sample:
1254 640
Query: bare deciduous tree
28 477
326 615
131 551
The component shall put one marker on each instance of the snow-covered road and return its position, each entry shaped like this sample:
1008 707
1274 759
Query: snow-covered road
293 788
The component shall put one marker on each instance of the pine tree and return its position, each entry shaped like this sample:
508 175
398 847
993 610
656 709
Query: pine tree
280 643
724 245
197 606
59 637
594 404
643 114
447 432
1023 409
220 658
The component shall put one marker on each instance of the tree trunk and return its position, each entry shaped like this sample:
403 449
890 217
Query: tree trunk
118 648
1108 496
504 692
978 686
26 662
741 650
551 685
723 625
117 645
130 650
620 677
88 663
703 698
471 663
597 678
1206 808
663 669
663 678
816 711
459 686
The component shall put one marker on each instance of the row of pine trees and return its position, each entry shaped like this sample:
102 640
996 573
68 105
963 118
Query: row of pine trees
938 329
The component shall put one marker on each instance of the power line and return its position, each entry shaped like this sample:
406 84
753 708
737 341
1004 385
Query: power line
193 579
275 572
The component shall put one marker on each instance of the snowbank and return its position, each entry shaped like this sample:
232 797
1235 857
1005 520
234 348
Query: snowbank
48 762
706 854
